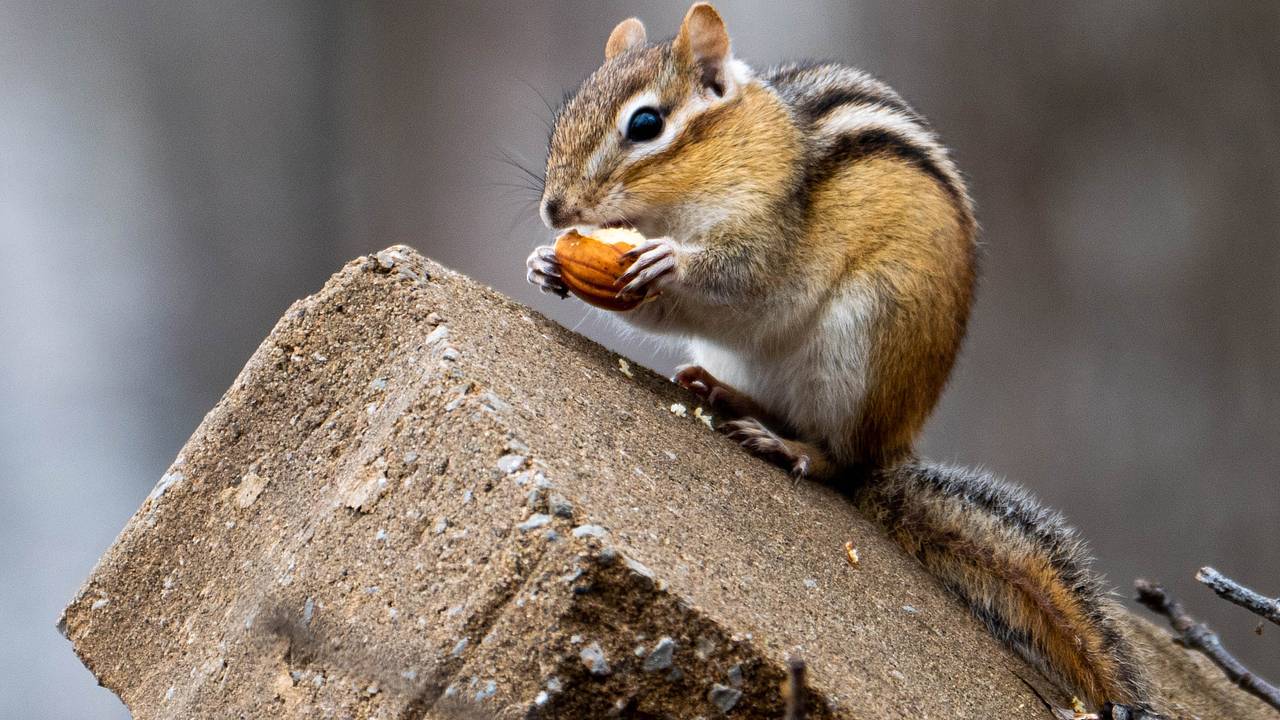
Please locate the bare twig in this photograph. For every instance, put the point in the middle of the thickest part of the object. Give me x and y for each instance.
(1233, 591)
(1197, 636)
(795, 689)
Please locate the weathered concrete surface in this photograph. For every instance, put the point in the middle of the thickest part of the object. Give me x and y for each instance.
(421, 500)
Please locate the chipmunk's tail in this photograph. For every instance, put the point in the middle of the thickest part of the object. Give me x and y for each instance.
(1020, 569)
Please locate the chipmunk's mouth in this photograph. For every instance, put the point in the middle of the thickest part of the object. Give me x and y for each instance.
(611, 219)
(599, 224)
(645, 224)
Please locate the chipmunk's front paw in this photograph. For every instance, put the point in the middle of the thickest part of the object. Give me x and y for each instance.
(655, 263)
(544, 271)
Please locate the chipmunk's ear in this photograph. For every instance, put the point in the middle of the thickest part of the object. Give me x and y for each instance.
(703, 42)
(628, 34)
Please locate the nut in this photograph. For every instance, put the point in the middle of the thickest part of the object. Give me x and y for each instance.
(590, 266)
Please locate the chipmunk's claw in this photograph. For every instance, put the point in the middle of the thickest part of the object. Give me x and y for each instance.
(752, 434)
(698, 381)
(654, 260)
(800, 468)
(694, 379)
(544, 271)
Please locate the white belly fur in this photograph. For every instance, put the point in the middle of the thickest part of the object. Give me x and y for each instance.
(817, 380)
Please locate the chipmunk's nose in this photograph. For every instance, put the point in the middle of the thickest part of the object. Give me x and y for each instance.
(557, 214)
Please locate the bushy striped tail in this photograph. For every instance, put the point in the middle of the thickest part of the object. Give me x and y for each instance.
(1020, 569)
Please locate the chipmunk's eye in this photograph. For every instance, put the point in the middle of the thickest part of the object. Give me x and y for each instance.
(645, 124)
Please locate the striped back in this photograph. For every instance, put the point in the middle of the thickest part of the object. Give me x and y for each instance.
(850, 114)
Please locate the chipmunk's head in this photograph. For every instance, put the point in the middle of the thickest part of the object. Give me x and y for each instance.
(658, 133)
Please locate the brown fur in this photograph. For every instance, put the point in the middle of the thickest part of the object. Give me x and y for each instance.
(782, 228)
(879, 221)
(1019, 566)
(896, 230)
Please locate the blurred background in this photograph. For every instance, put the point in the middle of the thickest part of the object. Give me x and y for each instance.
(174, 173)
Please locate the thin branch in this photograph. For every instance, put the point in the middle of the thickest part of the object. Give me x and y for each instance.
(1233, 591)
(795, 689)
(1197, 636)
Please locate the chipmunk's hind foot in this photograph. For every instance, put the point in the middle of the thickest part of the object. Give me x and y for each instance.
(801, 459)
(726, 401)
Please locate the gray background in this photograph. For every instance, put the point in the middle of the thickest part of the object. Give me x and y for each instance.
(173, 174)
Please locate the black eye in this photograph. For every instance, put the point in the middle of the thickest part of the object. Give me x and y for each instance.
(645, 124)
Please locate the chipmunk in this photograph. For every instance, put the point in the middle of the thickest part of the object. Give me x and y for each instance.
(813, 244)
